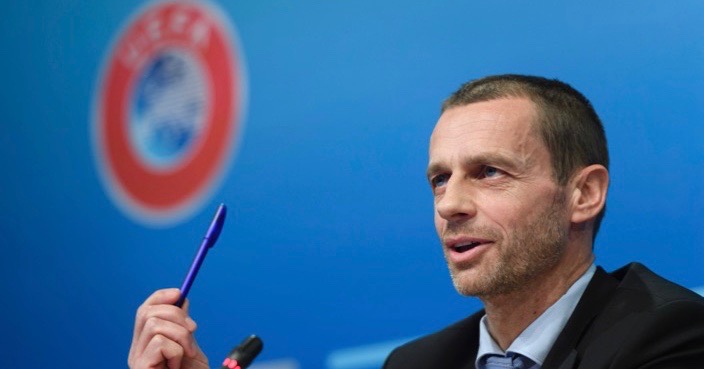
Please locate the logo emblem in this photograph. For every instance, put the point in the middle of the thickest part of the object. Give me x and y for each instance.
(168, 110)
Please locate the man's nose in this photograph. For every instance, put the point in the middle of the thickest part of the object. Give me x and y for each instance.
(457, 202)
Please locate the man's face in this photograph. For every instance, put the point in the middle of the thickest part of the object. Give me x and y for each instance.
(500, 215)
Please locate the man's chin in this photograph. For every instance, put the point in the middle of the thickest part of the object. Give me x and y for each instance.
(482, 283)
(467, 283)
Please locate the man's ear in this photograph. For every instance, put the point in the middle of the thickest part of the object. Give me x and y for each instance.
(590, 186)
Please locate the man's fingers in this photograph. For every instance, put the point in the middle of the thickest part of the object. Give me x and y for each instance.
(156, 327)
(157, 318)
(190, 323)
(167, 296)
(159, 350)
(160, 304)
(165, 312)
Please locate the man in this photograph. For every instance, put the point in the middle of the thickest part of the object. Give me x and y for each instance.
(519, 173)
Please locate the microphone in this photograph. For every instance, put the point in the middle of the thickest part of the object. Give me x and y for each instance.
(241, 356)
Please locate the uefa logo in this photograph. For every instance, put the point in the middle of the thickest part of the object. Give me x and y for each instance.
(168, 110)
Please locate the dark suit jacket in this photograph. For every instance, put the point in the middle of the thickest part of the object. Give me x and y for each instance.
(631, 318)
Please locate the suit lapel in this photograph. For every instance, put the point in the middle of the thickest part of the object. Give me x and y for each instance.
(564, 354)
(469, 343)
(570, 360)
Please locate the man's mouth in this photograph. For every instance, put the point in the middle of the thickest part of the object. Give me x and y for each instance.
(466, 246)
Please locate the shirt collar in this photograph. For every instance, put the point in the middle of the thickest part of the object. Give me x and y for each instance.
(537, 339)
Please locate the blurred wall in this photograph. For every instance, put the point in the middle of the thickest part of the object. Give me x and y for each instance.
(329, 252)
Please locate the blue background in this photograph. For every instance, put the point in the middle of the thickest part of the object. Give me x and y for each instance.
(329, 244)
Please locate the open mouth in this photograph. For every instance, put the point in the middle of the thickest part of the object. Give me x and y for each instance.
(466, 247)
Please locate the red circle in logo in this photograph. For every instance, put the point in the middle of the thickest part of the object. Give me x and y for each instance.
(170, 93)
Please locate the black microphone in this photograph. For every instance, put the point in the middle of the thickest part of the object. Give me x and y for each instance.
(241, 356)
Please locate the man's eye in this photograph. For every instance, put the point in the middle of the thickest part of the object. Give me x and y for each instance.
(439, 180)
(489, 172)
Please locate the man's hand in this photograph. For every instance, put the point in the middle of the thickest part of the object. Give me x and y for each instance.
(163, 335)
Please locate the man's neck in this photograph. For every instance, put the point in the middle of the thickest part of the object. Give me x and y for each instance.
(509, 314)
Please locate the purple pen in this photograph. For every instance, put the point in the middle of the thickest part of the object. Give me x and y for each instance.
(208, 241)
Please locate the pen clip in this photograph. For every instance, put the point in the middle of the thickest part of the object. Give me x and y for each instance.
(216, 225)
